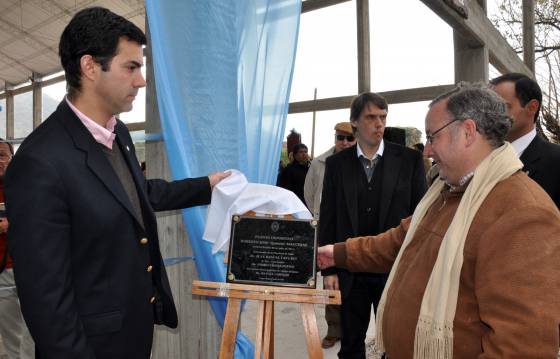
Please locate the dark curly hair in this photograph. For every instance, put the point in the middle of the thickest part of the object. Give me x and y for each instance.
(94, 31)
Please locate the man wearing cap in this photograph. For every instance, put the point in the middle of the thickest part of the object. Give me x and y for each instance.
(367, 189)
(343, 138)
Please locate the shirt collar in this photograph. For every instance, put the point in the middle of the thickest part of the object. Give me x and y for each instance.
(103, 135)
(521, 144)
(462, 183)
(379, 152)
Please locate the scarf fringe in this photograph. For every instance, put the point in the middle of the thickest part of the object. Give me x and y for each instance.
(433, 340)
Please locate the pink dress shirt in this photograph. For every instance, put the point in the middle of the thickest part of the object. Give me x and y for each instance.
(103, 135)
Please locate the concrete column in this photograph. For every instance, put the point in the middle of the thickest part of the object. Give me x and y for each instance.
(471, 63)
(37, 100)
(9, 113)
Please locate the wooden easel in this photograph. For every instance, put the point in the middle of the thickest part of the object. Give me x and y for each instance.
(267, 295)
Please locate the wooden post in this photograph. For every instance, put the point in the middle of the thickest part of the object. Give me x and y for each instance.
(364, 64)
(198, 334)
(529, 34)
(313, 126)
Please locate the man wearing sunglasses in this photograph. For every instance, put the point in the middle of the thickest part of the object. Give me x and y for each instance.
(367, 189)
(343, 138)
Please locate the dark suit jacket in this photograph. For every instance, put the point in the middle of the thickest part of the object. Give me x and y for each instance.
(80, 260)
(403, 185)
(541, 161)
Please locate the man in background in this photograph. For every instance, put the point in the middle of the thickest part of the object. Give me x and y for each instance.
(295, 172)
(15, 336)
(343, 139)
(367, 189)
(540, 158)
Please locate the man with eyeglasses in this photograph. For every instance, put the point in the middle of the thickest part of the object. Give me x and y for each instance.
(367, 189)
(343, 138)
(475, 270)
(540, 158)
(13, 331)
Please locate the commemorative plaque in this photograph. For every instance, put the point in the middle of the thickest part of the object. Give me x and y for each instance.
(272, 251)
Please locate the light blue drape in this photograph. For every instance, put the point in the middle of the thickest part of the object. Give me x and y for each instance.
(223, 72)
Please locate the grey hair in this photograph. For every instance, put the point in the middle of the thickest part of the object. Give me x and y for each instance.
(481, 104)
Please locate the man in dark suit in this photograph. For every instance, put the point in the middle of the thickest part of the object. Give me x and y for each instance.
(540, 158)
(368, 188)
(83, 233)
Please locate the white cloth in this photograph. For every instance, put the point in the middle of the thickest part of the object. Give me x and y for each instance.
(524, 141)
(235, 195)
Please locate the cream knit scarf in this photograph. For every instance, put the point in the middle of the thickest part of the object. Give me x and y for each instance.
(434, 330)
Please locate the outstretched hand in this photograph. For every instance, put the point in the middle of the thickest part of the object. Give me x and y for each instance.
(325, 256)
(216, 177)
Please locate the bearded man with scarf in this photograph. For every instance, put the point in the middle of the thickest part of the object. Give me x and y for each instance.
(475, 270)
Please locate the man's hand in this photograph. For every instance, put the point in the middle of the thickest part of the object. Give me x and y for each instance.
(331, 282)
(216, 177)
(3, 225)
(325, 256)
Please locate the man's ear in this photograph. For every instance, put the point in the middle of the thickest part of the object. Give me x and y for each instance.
(532, 107)
(470, 130)
(88, 66)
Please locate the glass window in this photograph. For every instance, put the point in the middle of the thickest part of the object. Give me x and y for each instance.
(410, 114)
(3, 118)
(326, 56)
(493, 72)
(23, 114)
(410, 46)
(51, 97)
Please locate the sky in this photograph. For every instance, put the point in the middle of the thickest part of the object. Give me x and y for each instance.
(410, 47)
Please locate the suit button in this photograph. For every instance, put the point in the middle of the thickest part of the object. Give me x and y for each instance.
(149, 269)
(368, 209)
(152, 300)
(144, 240)
(369, 188)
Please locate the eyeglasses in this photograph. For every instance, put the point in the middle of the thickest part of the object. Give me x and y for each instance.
(4, 157)
(349, 138)
(430, 137)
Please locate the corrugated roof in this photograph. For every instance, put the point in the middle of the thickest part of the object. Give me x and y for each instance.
(30, 30)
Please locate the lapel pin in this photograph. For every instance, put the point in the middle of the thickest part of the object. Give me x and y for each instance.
(128, 149)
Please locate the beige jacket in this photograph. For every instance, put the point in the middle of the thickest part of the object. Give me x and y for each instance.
(509, 290)
(313, 186)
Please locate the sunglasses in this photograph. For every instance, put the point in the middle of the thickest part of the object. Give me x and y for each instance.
(349, 138)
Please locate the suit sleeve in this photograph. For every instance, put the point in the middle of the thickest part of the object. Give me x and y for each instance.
(419, 185)
(40, 244)
(517, 284)
(327, 219)
(189, 192)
